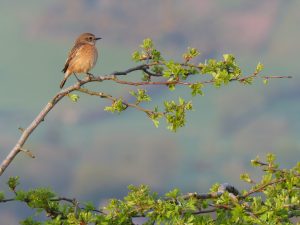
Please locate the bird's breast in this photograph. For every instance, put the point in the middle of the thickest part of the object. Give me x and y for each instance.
(85, 59)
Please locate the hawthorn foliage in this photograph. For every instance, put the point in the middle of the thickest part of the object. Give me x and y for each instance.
(275, 199)
(157, 70)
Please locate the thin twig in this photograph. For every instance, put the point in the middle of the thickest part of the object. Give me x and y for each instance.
(103, 95)
(8, 200)
(204, 211)
(27, 152)
(75, 203)
(262, 187)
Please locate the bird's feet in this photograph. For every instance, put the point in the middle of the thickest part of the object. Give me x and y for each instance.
(77, 78)
(91, 76)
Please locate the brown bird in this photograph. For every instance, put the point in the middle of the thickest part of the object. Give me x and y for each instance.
(82, 57)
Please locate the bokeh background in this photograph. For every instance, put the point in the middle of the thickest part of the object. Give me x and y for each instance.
(89, 154)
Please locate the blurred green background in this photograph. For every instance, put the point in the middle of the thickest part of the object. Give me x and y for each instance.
(90, 154)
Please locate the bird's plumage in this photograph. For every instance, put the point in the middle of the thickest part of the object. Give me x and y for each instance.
(82, 57)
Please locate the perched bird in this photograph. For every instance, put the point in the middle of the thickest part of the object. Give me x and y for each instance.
(82, 57)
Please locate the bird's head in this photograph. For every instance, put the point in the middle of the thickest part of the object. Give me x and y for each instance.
(87, 38)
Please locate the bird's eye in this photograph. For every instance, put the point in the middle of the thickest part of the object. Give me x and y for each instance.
(90, 38)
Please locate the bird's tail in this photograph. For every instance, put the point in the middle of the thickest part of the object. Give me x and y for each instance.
(62, 83)
(66, 76)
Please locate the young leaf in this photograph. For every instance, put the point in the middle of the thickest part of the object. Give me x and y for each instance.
(73, 97)
(259, 67)
(265, 81)
(13, 182)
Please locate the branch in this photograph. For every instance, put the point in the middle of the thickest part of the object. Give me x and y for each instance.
(262, 187)
(137, 68)
(144, 204)
(103, 95)
(222, 188)
(26, 133)
(75, 203)
(8, 200)
(48, 107)
(111, 77)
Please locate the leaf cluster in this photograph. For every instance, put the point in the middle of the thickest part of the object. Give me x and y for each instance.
(157, 70)
(275, 199)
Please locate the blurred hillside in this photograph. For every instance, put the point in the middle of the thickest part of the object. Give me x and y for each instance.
(85, 152)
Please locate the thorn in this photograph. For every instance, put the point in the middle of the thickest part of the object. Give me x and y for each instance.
(27, 152)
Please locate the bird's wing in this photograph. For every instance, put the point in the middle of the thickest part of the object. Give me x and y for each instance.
(72, 54)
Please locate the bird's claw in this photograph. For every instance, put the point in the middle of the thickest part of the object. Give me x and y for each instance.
(91, 76)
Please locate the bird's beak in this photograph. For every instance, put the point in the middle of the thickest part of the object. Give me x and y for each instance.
(98, 38)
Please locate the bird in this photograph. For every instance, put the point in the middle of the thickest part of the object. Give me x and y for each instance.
(82, 57)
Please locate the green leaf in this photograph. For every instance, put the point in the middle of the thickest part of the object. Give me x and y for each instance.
(175, 113)
(173, 194)
(89, 206)
(73, 97)
(271, 158)
(188, 106)
(117, 106)
(245, 177)
(171, 87)
(146, 77)
(21, 195)
(156, 55)
(259, 67)
(265, 81)
(191, 53)
(255, 162)
(148, 52)
(1, 196)
(174, 70)
(136, 56)
(30, 221)
(155, 122)
(221, 71)
(85, 217)
(141, 95)
(155, 116)
(147, 44)
(196, 88)
(181, 101)
(228, 58)
(157, 69)
(13, 182)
